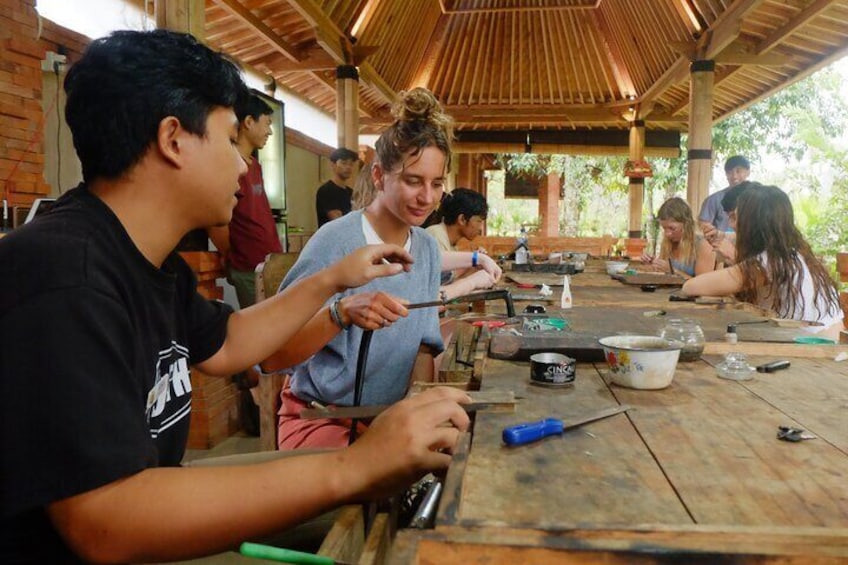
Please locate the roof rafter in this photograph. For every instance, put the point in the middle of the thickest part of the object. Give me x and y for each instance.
(720, 35)
(337, 44)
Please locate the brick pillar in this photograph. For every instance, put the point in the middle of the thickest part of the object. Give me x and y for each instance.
(21, 115)
(549, 205)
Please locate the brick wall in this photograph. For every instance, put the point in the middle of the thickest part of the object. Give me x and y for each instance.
(21, 105)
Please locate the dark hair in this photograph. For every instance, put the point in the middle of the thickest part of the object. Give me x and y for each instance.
(462, 201)
(127, 83)
(730, 198)
(343, 154)
(419, 123)
(251, 105)
(736, 161)
(766, 224)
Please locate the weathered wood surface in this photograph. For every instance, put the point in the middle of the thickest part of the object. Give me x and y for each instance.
(588, 324)
(702, 545)
(694, 473)
(607, 477)
(663, 279)
(716, 443)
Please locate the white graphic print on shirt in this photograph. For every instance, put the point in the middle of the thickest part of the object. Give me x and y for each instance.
(173, 382)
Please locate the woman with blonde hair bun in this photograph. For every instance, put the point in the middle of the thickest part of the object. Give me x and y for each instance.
(683, 250)
(410, 167)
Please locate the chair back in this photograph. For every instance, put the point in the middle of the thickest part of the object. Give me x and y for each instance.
(269, 275)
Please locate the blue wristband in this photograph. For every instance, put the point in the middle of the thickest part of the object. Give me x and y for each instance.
(474, 258)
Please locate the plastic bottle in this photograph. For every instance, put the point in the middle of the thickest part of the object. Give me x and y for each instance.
(565, 301)
(522, 252)
(731, 336)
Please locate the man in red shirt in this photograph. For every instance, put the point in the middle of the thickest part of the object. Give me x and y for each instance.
(252, 233)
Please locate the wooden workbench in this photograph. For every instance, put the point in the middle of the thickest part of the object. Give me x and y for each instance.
(693, 474)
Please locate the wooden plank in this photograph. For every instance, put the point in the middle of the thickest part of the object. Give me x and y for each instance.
(810, 391)
(346, 538)
(660, 279)
(600, 474)
(780, 349)
(587, 324)
(452, 491)
(666, 545)
(378, 542)
(716, 442)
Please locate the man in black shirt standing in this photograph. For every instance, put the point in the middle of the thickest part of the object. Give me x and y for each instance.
(333, 199)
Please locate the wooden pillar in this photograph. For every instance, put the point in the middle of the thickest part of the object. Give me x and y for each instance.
(466, 174)
(700, 152)
(549, 205)
(347, 106)
(637, 184)
(188, 16)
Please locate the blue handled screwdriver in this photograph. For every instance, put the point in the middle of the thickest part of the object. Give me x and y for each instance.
(521, 434)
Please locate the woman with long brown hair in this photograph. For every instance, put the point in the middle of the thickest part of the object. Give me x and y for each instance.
(775, 268)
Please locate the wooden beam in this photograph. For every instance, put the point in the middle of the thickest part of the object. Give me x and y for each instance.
(723, 32)
(238, 11)
(792, 25)
(807, 71)
(187, 16)
(585, 5)
(338, 45)
(313, 59)
(619, 68)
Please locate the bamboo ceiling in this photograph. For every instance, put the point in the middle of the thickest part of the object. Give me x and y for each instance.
(534, 64)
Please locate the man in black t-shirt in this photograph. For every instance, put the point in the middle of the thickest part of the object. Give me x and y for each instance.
(100, 323)
(333, 199)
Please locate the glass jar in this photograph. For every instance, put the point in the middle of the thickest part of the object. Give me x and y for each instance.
(735, 367)
(687, 332)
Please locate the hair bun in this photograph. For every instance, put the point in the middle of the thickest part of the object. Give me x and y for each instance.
(419, 105)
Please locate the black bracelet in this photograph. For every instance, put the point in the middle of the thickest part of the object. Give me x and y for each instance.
(336, 315)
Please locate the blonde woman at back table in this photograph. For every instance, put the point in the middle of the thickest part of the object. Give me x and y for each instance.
(682, 248)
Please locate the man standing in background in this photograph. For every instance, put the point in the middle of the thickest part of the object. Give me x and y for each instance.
(713, 219)
(333, 199)
(252, 233)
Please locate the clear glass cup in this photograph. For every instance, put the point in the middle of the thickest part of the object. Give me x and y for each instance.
(689, 333)
(735, 367)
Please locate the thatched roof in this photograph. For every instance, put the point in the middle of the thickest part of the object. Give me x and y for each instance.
(534, 64)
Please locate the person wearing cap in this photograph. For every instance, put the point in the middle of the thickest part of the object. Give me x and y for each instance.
(333, 199)
(713, 219)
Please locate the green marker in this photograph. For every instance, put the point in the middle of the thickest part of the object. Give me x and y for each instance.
(285, 555)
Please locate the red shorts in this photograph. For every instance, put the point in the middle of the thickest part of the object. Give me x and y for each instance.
(296, 433)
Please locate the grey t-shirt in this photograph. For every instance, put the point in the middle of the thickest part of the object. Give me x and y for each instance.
(329, 375)
(713, 212)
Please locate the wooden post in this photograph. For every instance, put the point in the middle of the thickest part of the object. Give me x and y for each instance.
(549, 205)
(466, 175)
(347, 106)
(637, 185)
(700, 153)
(188, 16)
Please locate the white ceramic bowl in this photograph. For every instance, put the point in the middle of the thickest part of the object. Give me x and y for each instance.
(616, 267)
(641, 361)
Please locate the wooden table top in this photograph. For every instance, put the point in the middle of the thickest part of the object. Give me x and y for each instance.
(695, 468)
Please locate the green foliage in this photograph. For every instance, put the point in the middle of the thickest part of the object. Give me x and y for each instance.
(803, 126)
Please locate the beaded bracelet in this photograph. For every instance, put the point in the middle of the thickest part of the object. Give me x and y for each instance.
(336, 315)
